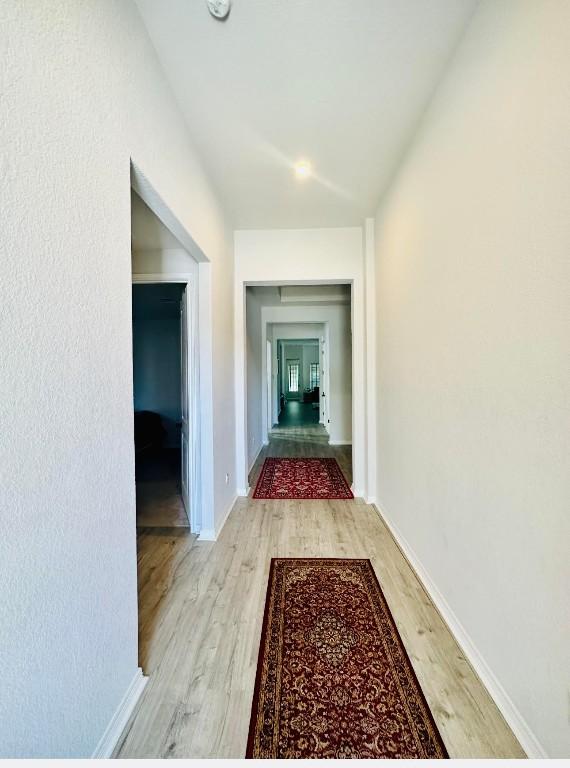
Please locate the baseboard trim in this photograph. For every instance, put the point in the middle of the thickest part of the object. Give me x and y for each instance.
(114, 730)
(255, 458)
(243, 491)
(340, 442)
(209, 534)
(226, 515)
(356, 493)
(515, 720)
(371, 500)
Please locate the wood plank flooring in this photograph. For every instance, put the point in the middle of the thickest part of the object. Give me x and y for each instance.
(159, 495)
(201, 607)
(295, 413)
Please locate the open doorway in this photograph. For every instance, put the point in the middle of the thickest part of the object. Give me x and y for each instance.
(298, 373)
(160, 389)
(172, 379)
(299, 381)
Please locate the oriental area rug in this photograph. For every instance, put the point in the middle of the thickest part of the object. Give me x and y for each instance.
(301, 479)
(333, 678)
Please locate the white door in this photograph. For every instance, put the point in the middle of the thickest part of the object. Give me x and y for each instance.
(185, 429)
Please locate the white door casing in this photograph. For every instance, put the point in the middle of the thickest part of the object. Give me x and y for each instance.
(185, 436)
(191, 469)
(197, 274)
(269, 372)
(323, 387)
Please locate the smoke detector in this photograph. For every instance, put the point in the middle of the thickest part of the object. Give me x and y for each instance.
(219, 8)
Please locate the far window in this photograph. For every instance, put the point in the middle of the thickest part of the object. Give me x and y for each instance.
(314, 375)
(293, 377)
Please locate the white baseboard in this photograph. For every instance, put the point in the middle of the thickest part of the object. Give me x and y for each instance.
(255, 458)
(340, 442)
(209, 534)
(226, 515)
(356, 493)
(243, 491)
(371, 500)
(114, 730)
(515, 720)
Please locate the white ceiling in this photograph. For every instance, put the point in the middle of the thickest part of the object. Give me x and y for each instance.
(342, 83)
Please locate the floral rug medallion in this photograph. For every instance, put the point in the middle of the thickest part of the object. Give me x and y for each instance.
(333, 678)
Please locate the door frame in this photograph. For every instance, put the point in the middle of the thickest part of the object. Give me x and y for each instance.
(360, 434)
(269, 382)
(191, 383)
(324, 382)
(149, 194)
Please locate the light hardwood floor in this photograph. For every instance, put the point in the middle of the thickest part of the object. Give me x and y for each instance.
(201, 607)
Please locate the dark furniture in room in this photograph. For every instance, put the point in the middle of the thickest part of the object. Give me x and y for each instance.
(149, 431)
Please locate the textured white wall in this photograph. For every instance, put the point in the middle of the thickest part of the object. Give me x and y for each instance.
(473, 297)
(82, 93)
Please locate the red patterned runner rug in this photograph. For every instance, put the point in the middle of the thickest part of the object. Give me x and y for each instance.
(301, 479)
(333, 678)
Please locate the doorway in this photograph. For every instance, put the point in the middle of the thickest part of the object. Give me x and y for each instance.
(299, 398)
(299, 387)
(161, 414)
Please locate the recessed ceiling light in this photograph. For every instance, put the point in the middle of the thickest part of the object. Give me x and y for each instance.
(302, 169)
(220, 9)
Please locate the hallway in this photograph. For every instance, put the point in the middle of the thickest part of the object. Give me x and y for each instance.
(201, 607)
(232, 203)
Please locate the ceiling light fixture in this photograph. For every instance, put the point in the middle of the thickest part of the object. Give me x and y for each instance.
(219, 8)
(303, 169)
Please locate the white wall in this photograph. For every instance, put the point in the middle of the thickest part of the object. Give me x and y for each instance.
(82, 94)
(473, 296)
(293, 257)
